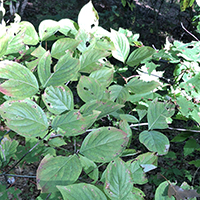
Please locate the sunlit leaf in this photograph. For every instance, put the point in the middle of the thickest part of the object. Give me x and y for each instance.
(58, 99)
(19, 81)
(88, 17)
(25, 118)
(121, 44)
(48, 28)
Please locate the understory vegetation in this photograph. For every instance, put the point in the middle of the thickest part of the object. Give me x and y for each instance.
(94, 113)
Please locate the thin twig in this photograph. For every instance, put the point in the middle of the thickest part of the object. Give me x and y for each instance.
(16, 175)
(195, 173)
(189, 32)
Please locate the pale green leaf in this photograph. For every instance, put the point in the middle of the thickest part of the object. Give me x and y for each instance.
(67, 27)
(88, 17)
(89, 89)
(60, 170)
(48, 28)
(25, 117)
(104, 144)
(122, 47)
(105, 106)
(89, 168)
(19, 81)
(73, 123)
(58, 99)
(158, 112)
(138, 86)
(81, 191)
(118, 182)
(60, 47)
(155, 141)
(30, 35)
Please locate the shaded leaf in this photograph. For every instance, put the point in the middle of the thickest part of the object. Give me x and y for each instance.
(58, 99)
(139, 55)
(138, 86)
(74, 123)
(60, 170)
(89, 168)
(118, 182)
(105, 106)
(128, 118)
(136, 168)
(104, 144)
(155, 141)
(24, 117)
(118, 93)
(19, 81)
(158, 112)
(81, 191)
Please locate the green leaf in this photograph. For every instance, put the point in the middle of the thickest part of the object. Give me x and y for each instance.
(104, 144)
(118, 93)
(181, 137)
(60, 170)
(30, 35)
(48, 28)
(89, 89)
(16, 42)
(81, 191)
(162, 192)
(60, 47)
(67, 27)
(73, 123)
(25, 117)
(105, 106)
(58, 99)
(136, 168)
(118, 182)
(88, 17)
(89, 168)
(19, 81)
(8, 148)
(139, 55)
(190, 146)
(104, 76)
(155, 141)
(195, 162)
(128, 118)
(122, 47)
(57, 142)
(136, 194)
(158, 112)
(90, 58)
(66, 69)
(4, 39)
(138, 86)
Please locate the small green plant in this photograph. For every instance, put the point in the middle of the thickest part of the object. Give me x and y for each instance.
(58, 86)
